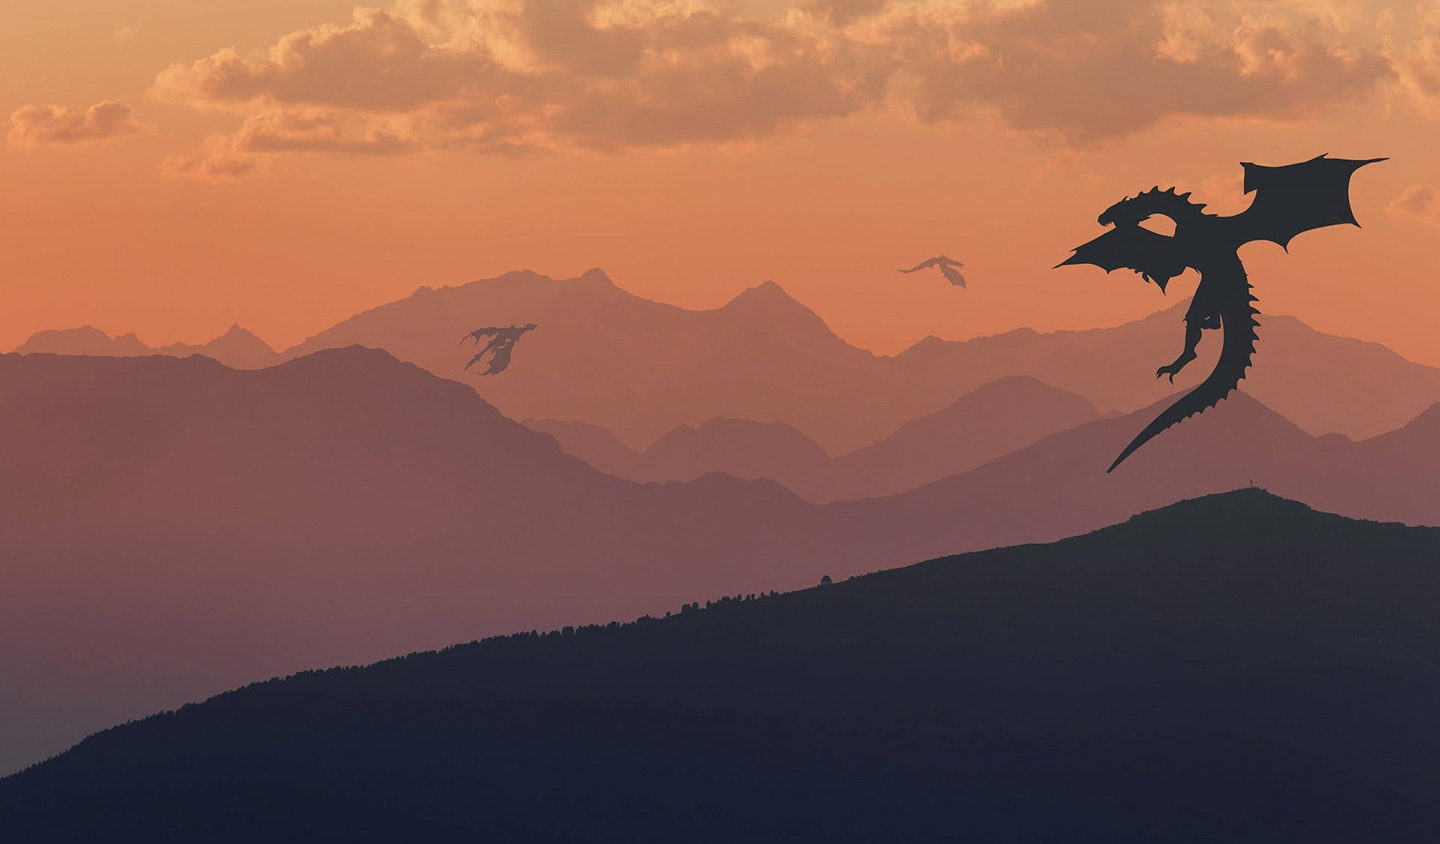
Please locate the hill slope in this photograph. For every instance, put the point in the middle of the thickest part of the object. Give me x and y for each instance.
(1235, 668)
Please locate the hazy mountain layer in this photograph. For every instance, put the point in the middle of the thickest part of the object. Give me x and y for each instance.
(996, 419)
(640, 369)
(174, 527)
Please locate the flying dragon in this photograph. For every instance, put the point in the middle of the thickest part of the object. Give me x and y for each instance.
(500, 348)
(1288, 200)
(949, 267)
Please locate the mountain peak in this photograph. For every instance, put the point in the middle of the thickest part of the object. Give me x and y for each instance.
(238, 333)
(768, 297)
(595, 275)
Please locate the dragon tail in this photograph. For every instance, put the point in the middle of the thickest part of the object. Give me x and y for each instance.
(1235, 354)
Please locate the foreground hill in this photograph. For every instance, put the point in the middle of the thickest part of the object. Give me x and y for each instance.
(1234, 668)
(639, 368)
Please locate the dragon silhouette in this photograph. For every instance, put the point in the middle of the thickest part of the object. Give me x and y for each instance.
(949, 267)
(1288, 200)
(500, 346)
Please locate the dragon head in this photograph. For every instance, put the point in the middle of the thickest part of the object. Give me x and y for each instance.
(1129, 245)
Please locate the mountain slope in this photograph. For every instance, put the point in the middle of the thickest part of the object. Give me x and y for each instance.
(591, 443)
(1235, 668)
(996, 419)
(173, 527)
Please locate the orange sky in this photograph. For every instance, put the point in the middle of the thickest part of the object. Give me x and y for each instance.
(335, 160)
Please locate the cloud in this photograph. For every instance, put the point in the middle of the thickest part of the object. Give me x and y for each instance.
(1420, 203)
(125, 34)
(34, 127)
(512, 75)
(211, 163)
(227, 157)
(1089, 72)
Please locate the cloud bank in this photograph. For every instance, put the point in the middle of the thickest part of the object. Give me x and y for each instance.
(36, 127)
(521, 75)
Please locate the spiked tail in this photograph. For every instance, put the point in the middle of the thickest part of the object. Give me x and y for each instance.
(1235, 355)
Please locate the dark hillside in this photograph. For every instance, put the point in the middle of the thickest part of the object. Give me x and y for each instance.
(1234, 668)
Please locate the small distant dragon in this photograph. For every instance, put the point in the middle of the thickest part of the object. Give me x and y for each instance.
(949, 267)
(1288, 200)
(500, 347)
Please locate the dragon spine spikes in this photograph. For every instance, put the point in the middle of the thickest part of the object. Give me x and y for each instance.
(1167, 202)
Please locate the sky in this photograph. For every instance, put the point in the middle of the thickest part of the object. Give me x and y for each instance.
(170, 168)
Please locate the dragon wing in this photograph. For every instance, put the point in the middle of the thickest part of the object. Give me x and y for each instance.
(1296, 198)
(952, 274)
(1117, 248)
(481, 333)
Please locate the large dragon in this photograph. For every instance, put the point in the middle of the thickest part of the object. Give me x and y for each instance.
(1288, 200)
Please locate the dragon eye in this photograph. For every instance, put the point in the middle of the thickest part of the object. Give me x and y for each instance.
(1159, 224)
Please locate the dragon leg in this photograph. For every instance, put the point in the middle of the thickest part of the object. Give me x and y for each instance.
(1192, 339)
(1238, 324)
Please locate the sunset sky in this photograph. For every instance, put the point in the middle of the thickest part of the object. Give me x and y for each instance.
(173, 167)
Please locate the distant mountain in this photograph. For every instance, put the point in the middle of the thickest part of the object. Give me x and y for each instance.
(1234, 668)
(86, 340)
(1324, 384)
(996, 419)
(236, 348)
(737, 447)
(640, 369)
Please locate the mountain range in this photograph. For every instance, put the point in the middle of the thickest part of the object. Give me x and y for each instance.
(175, 527)
(1234, 668)
(640, 369)
(236, 348)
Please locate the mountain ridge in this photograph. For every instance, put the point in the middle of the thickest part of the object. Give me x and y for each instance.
(640, 368)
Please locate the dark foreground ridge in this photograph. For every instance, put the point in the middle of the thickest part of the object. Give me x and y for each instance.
(1233, 668)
